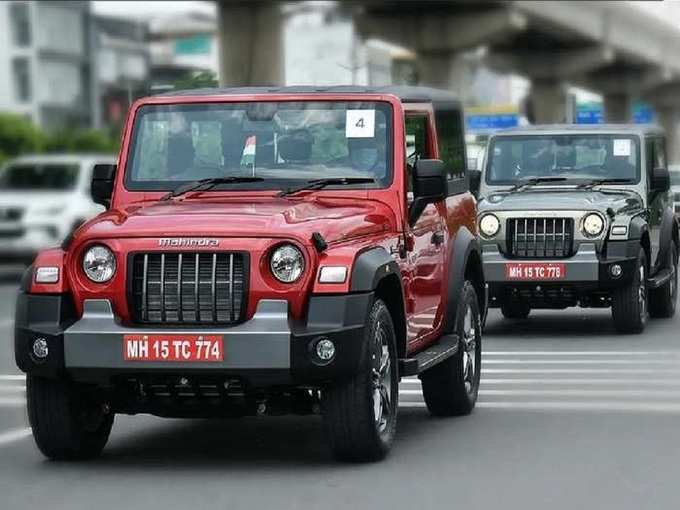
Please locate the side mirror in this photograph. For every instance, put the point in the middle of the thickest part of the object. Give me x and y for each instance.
(101, 188)
(429, 186)
(474, 180)
(661, 180)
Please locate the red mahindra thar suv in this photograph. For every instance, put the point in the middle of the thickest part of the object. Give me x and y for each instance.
(264, 251)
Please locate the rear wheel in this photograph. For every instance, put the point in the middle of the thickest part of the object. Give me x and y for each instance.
(360, 414)
(451, 387)
(629, 303)
(662, 301)
(515, 309)
(67, 423)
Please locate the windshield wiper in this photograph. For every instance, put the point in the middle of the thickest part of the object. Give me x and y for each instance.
(322, 183)
(600, 182)
(535, 180)
(206, 184)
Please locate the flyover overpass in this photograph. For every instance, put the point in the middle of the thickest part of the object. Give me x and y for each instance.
(609, 47)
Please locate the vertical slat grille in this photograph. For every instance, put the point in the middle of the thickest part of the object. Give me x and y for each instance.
(540, 237)
(188, 288)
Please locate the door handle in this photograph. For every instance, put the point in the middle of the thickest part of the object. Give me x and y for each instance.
(437, 238)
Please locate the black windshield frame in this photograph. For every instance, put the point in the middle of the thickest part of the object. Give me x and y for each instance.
(130, 184)
(635, 139)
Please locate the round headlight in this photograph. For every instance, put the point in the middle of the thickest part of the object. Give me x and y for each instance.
(99, 264)
(593, 225)
(287, 263)
(489, 225)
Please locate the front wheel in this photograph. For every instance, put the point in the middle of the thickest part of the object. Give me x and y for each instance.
(451, 387)
(662, 301)
(360, 414)
(629, 303)
(67, 423)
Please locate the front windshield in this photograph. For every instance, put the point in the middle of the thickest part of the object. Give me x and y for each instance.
(45, 177)
(284, 143)
(514, 159)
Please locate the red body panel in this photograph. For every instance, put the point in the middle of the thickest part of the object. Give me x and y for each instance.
(350, 221)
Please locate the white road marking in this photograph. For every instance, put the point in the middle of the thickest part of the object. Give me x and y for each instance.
(17, 377)
(579, 361)
(568, 392)
(655, 371)
(14, 435)
(580, 353)
(12, 388)
(604, 381)
(12, 402)
(643, 407)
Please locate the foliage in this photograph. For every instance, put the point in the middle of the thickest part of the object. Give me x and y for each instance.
(18, 135)
(196, 80)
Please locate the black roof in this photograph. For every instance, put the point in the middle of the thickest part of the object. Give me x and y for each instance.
(553, 129)
(407, 94)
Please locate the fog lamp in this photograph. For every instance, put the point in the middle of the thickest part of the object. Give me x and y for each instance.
(615, 270)
(325, 349)
(40, 350)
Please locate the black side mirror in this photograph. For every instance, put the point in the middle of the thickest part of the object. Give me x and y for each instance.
(474, 180)
(661, 180)
(429, 186)
(101, 188)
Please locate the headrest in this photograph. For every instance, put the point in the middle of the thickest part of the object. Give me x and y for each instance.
(565, 158)
(180, 155)
(295, 146)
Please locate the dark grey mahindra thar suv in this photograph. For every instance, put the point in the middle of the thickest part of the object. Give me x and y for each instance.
(579, 216)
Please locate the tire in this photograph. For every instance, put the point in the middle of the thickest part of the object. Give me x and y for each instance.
(515, 309)
(67, 423)
(662, 301)
(360, 414)
(451, 387)
(630, 302)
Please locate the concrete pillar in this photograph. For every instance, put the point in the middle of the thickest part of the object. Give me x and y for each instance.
(668, 118)
(444, 71)
(251, 43)
(617, 108)
(547, 102)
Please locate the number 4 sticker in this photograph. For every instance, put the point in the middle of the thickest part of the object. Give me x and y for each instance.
(360, 124)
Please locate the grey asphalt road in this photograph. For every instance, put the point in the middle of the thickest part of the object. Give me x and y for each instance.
(570, 415)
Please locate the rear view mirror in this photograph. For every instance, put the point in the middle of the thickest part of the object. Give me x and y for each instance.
(661, 180)
(101, 188)
(474, 180)
(429, 186)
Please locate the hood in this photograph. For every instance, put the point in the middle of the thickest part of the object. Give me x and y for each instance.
(335, 219)
(620, 201)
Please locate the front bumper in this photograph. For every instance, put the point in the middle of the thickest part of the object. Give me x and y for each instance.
(585, 266)
(268, 350)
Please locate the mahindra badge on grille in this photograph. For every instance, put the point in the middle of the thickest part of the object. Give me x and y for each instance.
(183, 242)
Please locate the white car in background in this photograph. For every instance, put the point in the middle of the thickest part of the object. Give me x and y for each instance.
(675, 187)
(43, 198)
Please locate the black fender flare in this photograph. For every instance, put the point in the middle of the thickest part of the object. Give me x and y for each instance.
(460, 251)
(638, 227)
(669, 227)
(370, 267)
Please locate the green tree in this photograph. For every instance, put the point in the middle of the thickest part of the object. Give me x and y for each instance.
(19, 135)
(196, 80)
